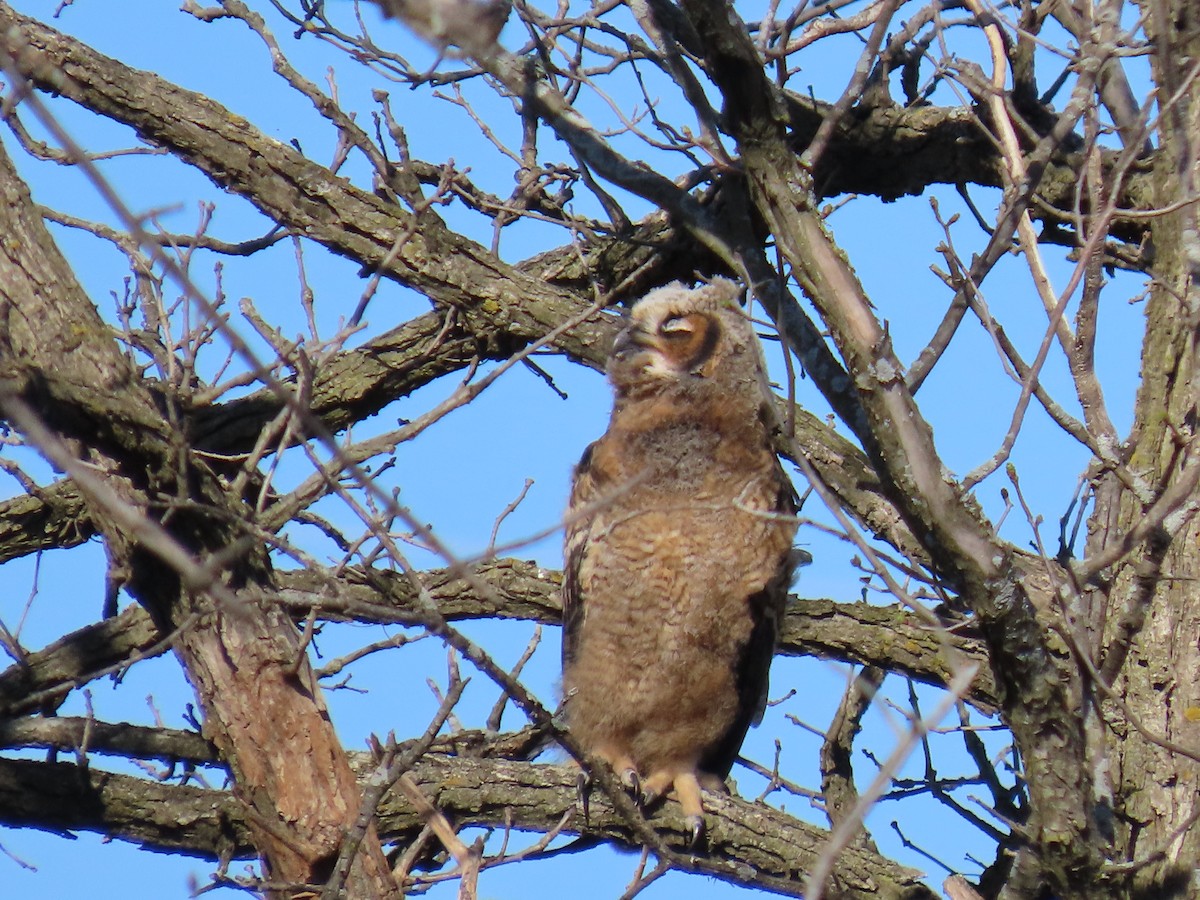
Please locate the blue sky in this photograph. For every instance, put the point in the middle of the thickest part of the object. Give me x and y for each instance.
(467, 468)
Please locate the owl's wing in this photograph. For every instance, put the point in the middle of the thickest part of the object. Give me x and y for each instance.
(754, 664)
(584, 490)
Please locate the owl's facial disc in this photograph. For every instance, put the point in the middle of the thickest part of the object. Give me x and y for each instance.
(674, 346)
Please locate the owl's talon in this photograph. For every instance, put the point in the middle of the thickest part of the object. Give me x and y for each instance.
(697, 830)
(656, 786)
(632, 782)
(583, 793)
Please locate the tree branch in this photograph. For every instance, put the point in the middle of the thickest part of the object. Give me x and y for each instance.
(754, 844)
(1040, 695)
(73, 392)
(886, 636)
(302, 195)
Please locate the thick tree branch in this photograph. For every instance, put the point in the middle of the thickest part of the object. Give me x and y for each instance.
(41, 680)
(755, 844)
(1089, 662)
(837, 752)
(1040, 697)
(119, 739)
(305, 197)
(885, 636)
(505, 307)
(64, 378)
(357, 383)
(55, 517)
(891, 151)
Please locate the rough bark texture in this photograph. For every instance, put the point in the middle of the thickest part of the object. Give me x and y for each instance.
(1158, 805)
(1093, 667)
(752, 844)
(843, 632)
(56, 355)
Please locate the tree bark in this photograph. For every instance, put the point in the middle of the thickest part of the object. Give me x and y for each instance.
(262, 706)
(1039, 691)
(1096, 677)
(1153, 609)
(858, 633)
(751, 844)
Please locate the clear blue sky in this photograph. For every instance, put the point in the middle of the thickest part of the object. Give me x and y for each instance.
(463, 472)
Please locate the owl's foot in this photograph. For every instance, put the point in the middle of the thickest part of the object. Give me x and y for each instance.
(629, 778)
(687, 791)
(626, 771)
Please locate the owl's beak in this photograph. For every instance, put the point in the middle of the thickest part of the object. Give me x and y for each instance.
(631, 340)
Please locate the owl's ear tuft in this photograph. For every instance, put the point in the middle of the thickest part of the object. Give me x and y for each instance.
(725, 290)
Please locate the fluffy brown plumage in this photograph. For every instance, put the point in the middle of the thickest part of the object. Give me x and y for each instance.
(473, 25)
(678, 551)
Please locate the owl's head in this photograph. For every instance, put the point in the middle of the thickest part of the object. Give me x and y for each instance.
(678, 334)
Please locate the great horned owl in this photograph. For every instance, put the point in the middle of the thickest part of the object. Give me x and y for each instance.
(678, 551)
